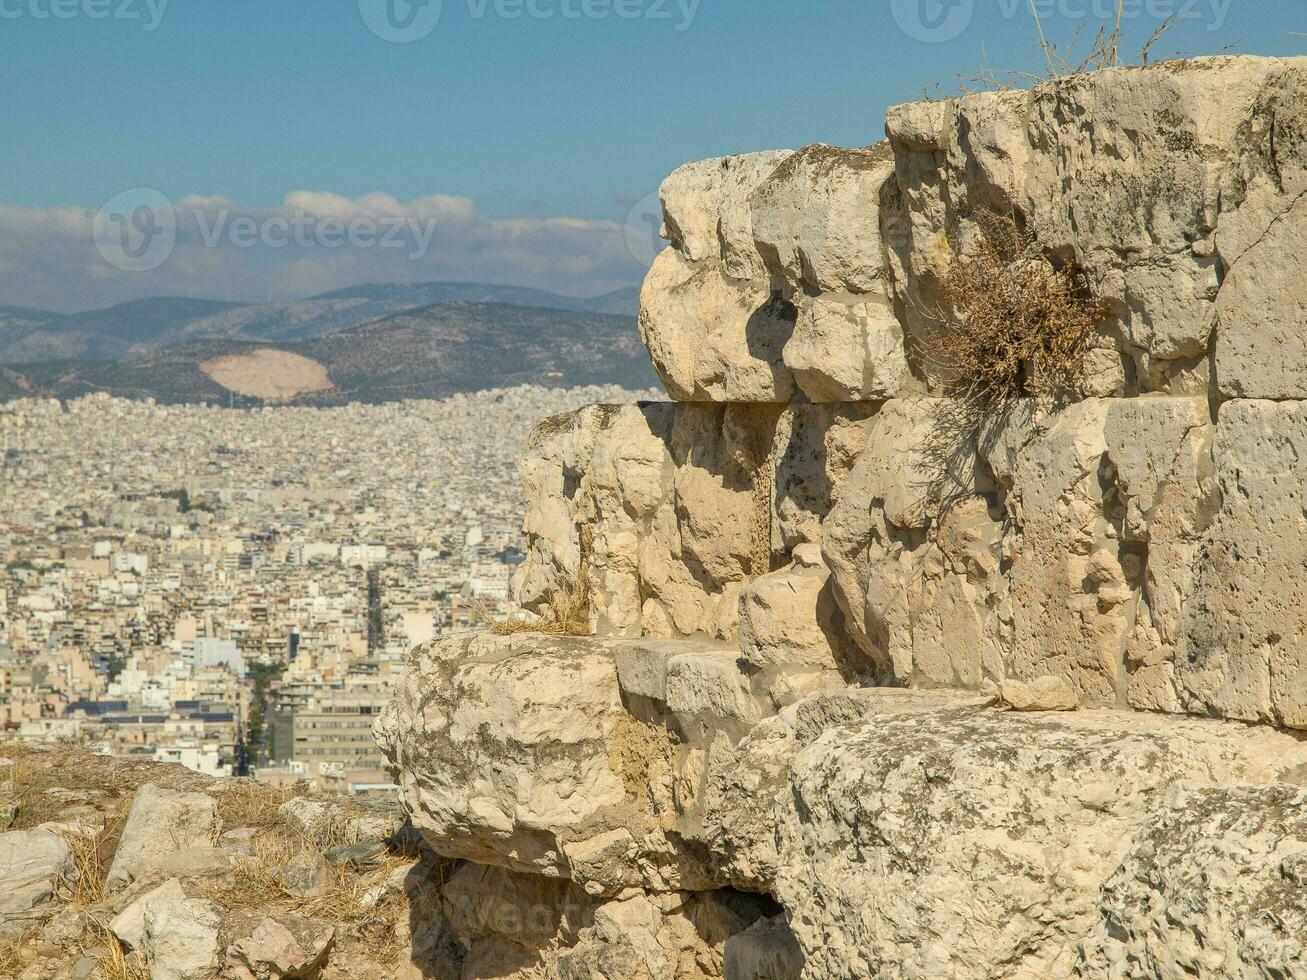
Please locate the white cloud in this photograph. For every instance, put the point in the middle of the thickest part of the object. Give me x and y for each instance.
(49, 259)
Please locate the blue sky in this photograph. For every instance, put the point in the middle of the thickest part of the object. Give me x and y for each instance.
(559, 109)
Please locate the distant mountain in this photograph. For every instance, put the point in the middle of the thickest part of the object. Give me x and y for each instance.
(427, 353)
(100, 335)
(132, 329)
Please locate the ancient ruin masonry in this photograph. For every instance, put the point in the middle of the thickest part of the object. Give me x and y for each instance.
(789, 747)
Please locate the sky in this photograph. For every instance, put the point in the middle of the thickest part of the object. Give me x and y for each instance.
(275, 149)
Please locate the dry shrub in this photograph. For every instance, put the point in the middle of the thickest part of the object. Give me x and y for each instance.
(1012, 325)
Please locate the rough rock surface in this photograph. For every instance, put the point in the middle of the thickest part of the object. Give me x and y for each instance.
(181, 939)
(1212, 887)
(1152, 181)
(927, 607)
(129, 924)
(1242, 652)
(33, 864)
(161, 823)
(517, 752)
(668, 510)
(286, 946)
(976, 843)
(776, 284)
(712, 784)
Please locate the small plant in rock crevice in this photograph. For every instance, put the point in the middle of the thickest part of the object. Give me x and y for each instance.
(568, 613)
(1011, 324)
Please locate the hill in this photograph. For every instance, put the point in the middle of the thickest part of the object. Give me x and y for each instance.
(101, 335)
(428, 353)
(132, 329)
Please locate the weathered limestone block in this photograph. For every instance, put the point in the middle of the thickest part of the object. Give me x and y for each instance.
(816, 219)
(613, 764)
(163, 823)
(776, 285)
(181, 939)
(1261, 342)
(780, 619)
(706, 212)
(33, 863)
(1043, 694)
(1243, 653)
(713, 338)
(913, 547)
(1260, 351)
(517, 752)
(736, 820)
(1106, 503)
(713, 321)
(975, 843)
(1211, 887)
(812, 458)
(1127, 174)
(129, 924)
(847, 348)
(668, 510)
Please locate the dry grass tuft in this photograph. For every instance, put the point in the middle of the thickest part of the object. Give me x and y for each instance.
(117, 963)
(16, 954)
(1104, 50)
(568, 613)
(1012, 325)
(93, 853)
(363, 905)
(245, 803)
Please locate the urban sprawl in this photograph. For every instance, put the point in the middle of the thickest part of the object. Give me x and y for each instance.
(236, 591)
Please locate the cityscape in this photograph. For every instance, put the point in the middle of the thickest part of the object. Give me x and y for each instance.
(237, 590)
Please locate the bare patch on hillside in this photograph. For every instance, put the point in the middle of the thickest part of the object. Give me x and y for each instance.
(273, 375)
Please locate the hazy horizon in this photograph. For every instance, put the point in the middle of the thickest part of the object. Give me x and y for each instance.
(161, 149)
